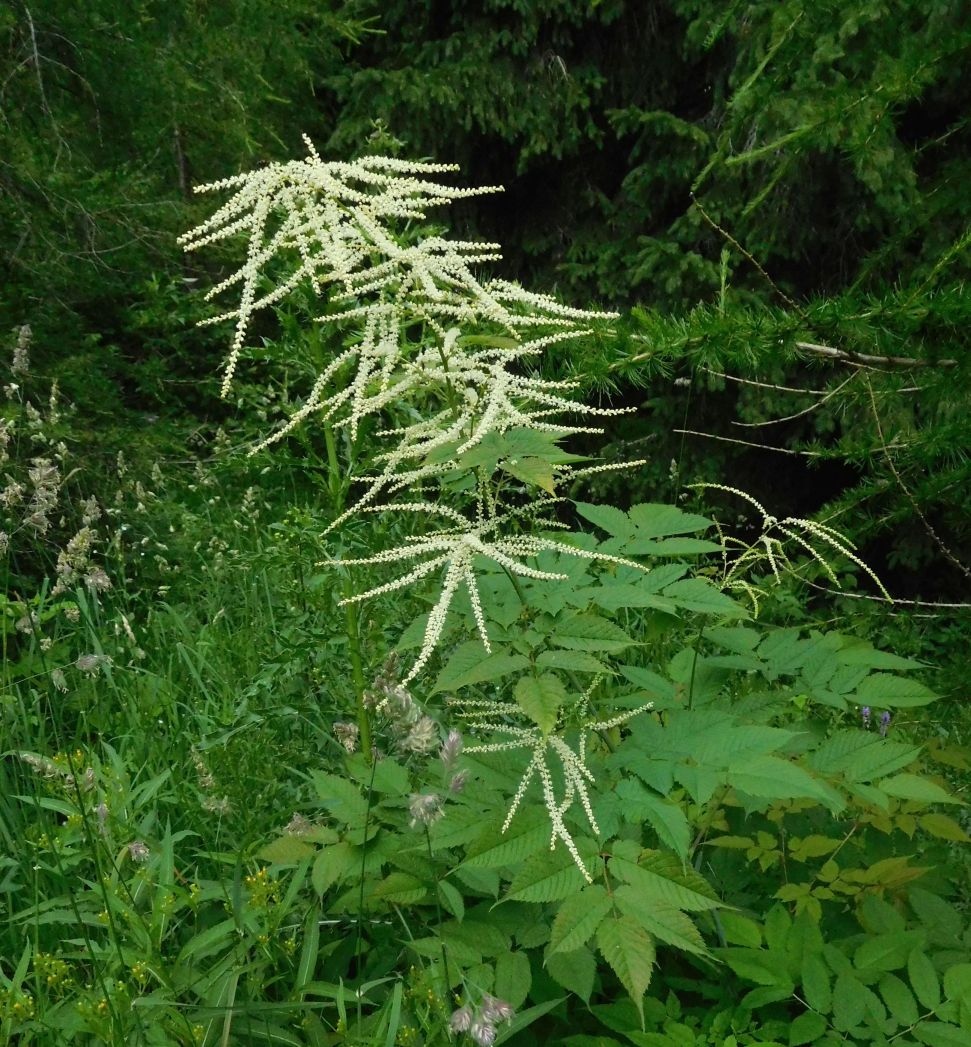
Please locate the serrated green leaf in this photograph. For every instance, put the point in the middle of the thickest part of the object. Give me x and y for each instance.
(701, 597)
(528, 835)
(899, 999)
(849, 1002)
(660, 878)
(286, 850)
(665, 923)
(913, 787)
(941, 1034)
(385, 776)
(531, 442)
(816, 983)
(859, 652)
(943, 827)
(657, 520)
(572, 662)
(665, 818)
(589, 632)
(546, 877)
(460, 825)
(537, 472)
(451, 899)
(672, 547)
(886, 952)
(341, 797)
(513, 977)
(807, 1027)
(578, 919)
(762, 966)
(861, 756)
(606, 517)
(470, 664)
(957, 983)
(923, 979)
(333, 864)
(771, 777)
(629, 950)
(574, 971)
(540, 698)
(896, 692)
(740, 930)
(479, 933)
(397, 888)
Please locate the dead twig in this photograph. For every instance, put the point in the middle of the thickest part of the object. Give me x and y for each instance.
(868, 360)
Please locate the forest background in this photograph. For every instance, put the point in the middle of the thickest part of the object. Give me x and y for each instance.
(772, 194)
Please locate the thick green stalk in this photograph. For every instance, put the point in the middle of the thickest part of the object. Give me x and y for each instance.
(352, 623)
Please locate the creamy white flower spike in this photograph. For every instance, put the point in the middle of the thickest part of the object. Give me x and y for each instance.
(498, 718)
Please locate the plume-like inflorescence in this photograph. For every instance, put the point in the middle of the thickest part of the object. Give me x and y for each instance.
(451, 359)
(501, 718)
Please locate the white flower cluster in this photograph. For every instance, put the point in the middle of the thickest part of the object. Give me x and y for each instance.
(495, 717)
(341, 227)
(453, 357)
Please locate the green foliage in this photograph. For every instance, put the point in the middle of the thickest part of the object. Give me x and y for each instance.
(769, 864)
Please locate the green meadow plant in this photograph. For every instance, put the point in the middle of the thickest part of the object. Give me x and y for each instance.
(398, 737)
(612, 722)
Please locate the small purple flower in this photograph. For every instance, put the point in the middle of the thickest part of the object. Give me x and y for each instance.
(865, 715)
(483, 1032)
(457, 784)
(884, 723)
(461, 1020)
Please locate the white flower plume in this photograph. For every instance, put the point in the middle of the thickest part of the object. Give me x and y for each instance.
(496, 717)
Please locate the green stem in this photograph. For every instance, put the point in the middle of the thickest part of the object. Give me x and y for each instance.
(352, 623)
(357, 671)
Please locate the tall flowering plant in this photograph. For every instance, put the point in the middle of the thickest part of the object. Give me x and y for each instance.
(477, 466)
